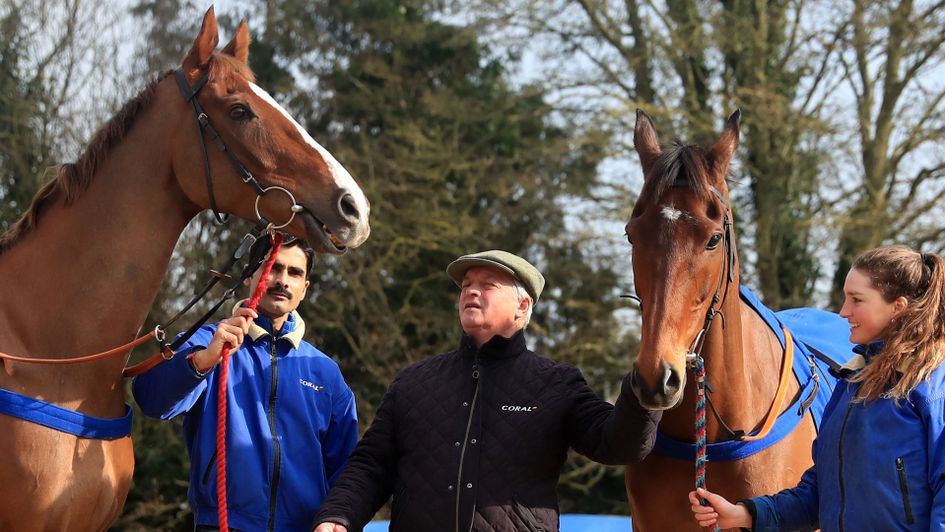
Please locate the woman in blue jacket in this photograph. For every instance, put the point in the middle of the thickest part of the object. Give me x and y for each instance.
(879, 459)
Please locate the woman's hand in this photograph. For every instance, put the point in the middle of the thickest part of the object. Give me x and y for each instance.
(719, 510)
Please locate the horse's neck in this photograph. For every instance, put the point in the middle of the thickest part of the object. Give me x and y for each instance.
(742, 360)
(83, 280)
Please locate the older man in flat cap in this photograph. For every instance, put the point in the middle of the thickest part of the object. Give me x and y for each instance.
(474, 439)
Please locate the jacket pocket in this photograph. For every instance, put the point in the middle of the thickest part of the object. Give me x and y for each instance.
(528, 517)
(904, 490)
(210, 468)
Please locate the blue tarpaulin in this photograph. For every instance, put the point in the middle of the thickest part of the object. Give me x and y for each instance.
(569, 523)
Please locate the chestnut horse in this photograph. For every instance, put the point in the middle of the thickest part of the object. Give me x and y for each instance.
(686, 274)
(82, 267)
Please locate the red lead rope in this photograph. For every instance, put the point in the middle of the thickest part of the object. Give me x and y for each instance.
(221, 391)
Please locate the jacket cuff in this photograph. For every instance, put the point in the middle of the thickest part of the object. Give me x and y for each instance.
(193, 368)
(752, 510)
(338, 520)
(628, 397)
(184, 356)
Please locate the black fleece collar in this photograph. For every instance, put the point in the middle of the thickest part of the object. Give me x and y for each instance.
(497, 347)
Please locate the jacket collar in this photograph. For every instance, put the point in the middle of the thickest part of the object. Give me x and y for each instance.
(864, 354)
(496, 348)
(293, 329)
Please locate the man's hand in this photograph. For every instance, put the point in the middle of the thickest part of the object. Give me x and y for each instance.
(331, 527)
(719, 510)
(229, 331)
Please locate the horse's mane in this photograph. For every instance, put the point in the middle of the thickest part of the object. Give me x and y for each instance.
(72, 179)
(677, 160)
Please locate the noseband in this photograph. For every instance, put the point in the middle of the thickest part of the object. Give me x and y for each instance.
(203, 123)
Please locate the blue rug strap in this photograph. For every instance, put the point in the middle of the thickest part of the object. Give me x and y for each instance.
(63, 419)
(734, 449)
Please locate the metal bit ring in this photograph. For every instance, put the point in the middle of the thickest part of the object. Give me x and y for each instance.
(295, 208)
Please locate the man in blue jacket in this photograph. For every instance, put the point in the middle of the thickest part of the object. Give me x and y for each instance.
(291, 420)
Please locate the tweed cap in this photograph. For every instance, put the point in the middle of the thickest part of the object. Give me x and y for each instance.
(518, 267)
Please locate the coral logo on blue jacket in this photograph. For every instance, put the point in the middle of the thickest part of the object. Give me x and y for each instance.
(311, 385)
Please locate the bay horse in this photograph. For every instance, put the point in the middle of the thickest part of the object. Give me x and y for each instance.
(686, 274)
(83, 265)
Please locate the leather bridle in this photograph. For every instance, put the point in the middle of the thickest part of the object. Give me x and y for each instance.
(263, 226)
(694, 357)
(203, 124)
(726, 278)
(726, 275)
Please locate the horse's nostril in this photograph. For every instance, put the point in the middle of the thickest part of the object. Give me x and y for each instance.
(348, 206)
(671, 381)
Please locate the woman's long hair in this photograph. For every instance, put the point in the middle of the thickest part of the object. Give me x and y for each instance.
(914, 340)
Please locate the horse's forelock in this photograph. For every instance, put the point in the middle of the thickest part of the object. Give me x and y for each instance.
(227, 68)
(677, 160)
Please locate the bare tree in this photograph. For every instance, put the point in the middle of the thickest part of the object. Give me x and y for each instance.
(893, 65)
(55, 57)
(690, 63)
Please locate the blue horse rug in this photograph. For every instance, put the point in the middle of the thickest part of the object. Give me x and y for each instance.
(820, 344)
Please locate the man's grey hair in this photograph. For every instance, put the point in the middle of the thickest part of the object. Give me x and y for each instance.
(522, 294)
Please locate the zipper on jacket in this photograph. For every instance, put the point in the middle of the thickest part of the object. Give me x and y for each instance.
(843, 427)
(904, 488)
(462, 453)
(276, 450)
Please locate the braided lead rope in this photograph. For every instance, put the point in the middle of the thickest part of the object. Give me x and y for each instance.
(698, 368)
(222, 386)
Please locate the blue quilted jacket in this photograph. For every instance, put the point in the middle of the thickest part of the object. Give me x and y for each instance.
(877, 465)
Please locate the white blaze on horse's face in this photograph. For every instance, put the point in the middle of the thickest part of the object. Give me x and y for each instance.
(342, 178)
(670, 213)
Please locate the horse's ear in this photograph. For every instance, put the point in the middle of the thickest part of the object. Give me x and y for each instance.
(646, 142)
(721, 153)
(239, 46)
(206, 42)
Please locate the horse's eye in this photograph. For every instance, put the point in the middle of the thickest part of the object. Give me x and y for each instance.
(714, 241)
(240, 113)
(629, 240)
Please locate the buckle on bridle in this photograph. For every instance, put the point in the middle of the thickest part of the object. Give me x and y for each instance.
(691, 359)
(695, 348)
(166, 352)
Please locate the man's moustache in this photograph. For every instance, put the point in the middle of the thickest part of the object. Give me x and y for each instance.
(279, 292)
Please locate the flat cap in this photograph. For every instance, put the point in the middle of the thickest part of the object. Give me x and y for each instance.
(518, 267)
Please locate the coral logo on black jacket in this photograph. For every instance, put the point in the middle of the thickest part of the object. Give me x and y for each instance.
(514, 408)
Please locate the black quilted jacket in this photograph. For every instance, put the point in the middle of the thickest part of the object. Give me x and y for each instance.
(474, 439)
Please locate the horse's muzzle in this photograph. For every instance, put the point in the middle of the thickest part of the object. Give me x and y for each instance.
(354, 228)
(668, 391)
